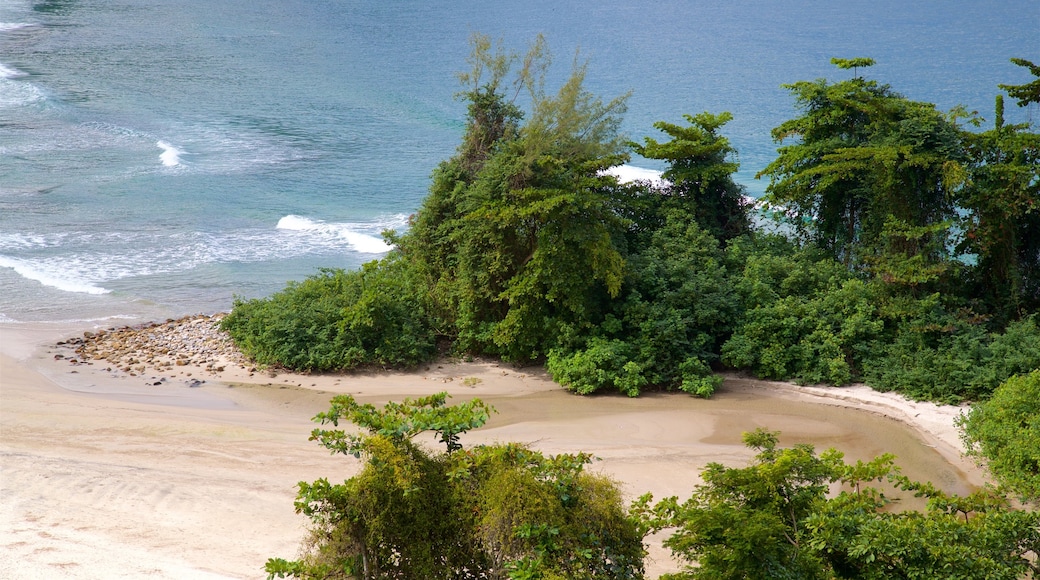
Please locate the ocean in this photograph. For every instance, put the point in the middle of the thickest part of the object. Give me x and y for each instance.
(161, 158)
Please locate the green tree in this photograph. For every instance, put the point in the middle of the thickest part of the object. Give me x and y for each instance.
(1002, 216)
(492, 512)
(1004, 432)
(749, 522)
(1029, 92)
(777, 518)
(859, 156)
(699, 175)
(517, 236)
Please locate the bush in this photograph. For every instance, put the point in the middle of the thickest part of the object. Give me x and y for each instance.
(664, 333)
(495, 512)
(1005, 432)
(339, 320)
(805, 318)
(942, 358)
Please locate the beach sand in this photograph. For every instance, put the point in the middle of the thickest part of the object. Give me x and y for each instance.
(108, 475)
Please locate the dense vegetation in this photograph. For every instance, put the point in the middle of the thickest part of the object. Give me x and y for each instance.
(908, 252)
(1005, 431)
(904, 250)
(777, 519)
(491, 512)
(506, 511)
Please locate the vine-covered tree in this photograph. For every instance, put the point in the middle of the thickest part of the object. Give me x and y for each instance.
(861, 157)
(516, 235)
(1002, 205)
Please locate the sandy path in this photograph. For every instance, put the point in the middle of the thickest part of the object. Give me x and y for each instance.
(109, 476)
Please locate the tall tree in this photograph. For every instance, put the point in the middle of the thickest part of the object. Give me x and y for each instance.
(700, 172)
(517, 235)
(862, 156)
(1002, 203)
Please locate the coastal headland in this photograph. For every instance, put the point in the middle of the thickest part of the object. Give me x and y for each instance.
(159, 451)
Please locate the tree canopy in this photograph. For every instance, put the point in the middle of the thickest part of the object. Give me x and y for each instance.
(490, 512)
(907, 254)
(777, 519)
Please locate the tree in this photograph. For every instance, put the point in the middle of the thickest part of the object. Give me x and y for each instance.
(517, 236)
(776, 519)
(1002, 207)
(863, 156)
(699, 175)
(492, 512)
(1004, 432)
(1027, 93)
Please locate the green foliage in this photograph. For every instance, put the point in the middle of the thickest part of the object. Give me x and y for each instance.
(493, 512)
(943, 358)
(1005, 432)
(745, 523)
(666, 329)
(860, 155)
(1027, 93)
(699, 174)
(913, 262)
(805, 318)
(516, 237)
(776, 519)
(339, 320)
(1001, 202)
(853, 63)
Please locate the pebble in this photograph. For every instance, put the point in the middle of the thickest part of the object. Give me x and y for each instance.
(192, 340)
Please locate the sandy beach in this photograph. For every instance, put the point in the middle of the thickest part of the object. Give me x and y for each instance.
(189, 469)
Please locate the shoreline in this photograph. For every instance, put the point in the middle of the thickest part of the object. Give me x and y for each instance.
(184, 470)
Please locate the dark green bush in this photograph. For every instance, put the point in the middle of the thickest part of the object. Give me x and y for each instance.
(943, 358)
(1005, 432)
(805, 317)
(665, 332)
(339, 320)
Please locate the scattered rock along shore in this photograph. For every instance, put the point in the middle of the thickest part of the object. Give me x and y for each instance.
(159, 348)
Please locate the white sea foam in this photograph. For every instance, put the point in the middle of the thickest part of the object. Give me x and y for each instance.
(350, 233)
(631, 173)
(171, 156)
(7, 72)
(50, 276)
(9, 26)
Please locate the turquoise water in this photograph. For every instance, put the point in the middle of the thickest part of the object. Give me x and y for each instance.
(159, 158)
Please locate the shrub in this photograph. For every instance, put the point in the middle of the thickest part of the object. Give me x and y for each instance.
(339, 320)
(1005, 432)
(494, 512)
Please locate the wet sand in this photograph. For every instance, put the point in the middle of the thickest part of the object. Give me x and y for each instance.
(106, 475)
